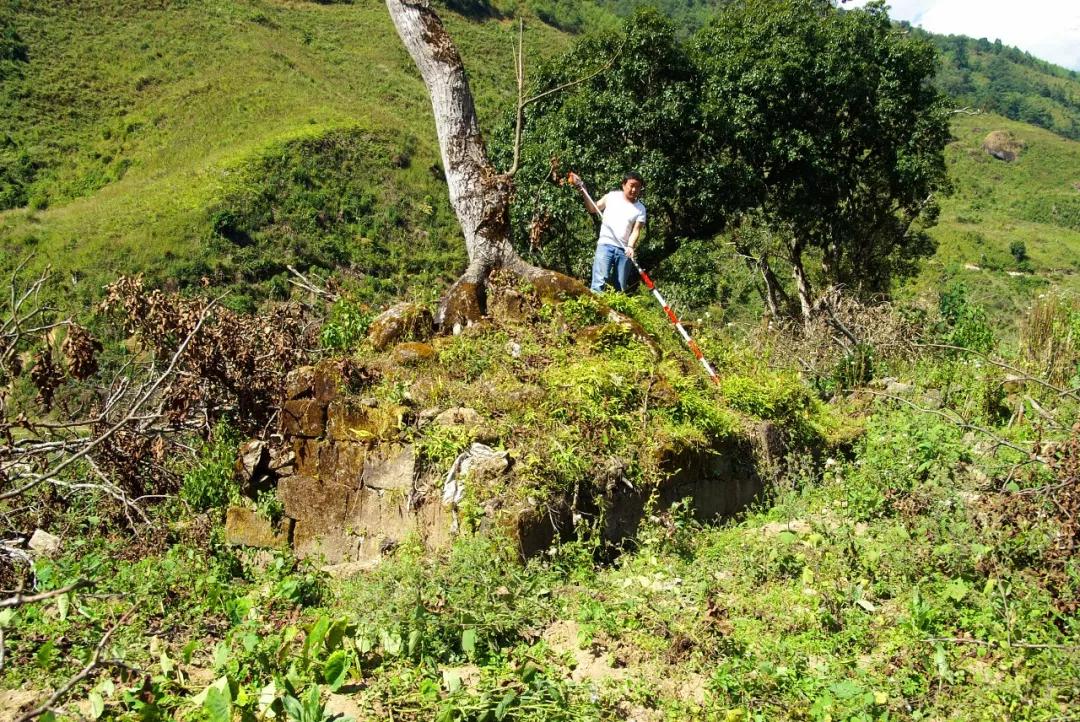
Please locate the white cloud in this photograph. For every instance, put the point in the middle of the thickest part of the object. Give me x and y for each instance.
(1048, 29)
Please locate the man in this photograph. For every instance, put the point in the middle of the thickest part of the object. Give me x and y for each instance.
(622, 219)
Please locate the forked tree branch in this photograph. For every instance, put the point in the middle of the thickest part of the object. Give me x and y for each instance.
(523, 102)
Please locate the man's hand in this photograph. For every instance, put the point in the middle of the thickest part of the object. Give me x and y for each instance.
(575, 180)
(630, 252)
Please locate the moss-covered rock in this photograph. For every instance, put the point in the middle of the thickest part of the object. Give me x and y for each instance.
(598, 416)
(401, 322)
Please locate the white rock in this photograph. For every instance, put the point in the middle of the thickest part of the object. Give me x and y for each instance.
(44, 543)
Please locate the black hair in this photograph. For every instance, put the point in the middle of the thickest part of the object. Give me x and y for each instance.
(632, 175)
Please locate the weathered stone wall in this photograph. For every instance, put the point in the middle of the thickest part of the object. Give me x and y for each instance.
(354, 489)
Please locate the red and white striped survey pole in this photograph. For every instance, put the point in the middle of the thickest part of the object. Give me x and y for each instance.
(575, 180)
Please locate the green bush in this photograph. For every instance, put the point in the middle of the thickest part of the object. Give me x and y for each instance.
(210, 483)
(465, 605)
(768, 395)
(346, 325)
(902, 450)
(965, 323)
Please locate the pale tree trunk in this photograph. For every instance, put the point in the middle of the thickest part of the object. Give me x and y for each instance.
(479, 194)
(802, 283)
(773, 294)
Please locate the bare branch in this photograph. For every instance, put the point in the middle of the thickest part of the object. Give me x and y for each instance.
(523, 103)
(961, 423)
(19, 599)
(306, 284)
(1071, 393)
(94, 663)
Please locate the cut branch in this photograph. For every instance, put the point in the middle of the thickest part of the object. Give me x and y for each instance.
(93, 664)
(20, 599)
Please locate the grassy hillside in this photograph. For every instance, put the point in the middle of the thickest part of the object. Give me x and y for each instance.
(229, 140)
(140, 119)
(1010, 230)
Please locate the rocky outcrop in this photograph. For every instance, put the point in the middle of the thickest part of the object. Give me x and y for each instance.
(244, 527)
(354, 487)
(1003, 145)
(401, 322)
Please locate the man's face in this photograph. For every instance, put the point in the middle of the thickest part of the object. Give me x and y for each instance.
(632, 189)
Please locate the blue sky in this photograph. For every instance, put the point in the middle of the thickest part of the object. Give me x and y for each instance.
(1048, 29)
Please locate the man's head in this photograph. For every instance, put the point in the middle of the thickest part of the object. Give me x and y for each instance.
(632, 185)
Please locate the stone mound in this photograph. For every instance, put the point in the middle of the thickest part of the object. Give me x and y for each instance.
(1003, 145)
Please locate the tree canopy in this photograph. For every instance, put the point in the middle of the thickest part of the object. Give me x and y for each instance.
(817, 126)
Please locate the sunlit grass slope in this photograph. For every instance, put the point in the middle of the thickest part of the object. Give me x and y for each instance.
(143, 116)
(1010, 230)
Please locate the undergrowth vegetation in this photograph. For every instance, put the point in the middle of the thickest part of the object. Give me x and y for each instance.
(919, 566)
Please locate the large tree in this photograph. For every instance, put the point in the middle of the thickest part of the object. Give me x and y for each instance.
(643, 113)
(834, 113)
(479, 193)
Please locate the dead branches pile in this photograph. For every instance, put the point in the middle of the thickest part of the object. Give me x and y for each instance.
(845, 333)
(238, 363)
(189, 362)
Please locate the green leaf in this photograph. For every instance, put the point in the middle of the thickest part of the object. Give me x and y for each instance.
(221, 655)
(312, 705)
(414, 641)
(504, 705)
(428, 690)
(468, 642)
(390, 642)
(45, 654)
(335, 669)
(293, 708)
(452, 680)
(316, 635)
(97, 704)
(63, 603)
(956, 590)
(167, 665)
(5, 617)
(218, 705)
(267, 697)
(941, 661)
(336, 635)
(528, 672)
(846, 689)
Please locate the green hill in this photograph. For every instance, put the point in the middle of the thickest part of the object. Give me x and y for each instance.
(1011, 230)
(228, 141)
(135, 128)
(1006, 80)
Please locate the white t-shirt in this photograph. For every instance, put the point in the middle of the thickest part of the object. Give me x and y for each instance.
(618, 219)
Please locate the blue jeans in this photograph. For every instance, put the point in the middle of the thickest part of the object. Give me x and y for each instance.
(608, 261)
